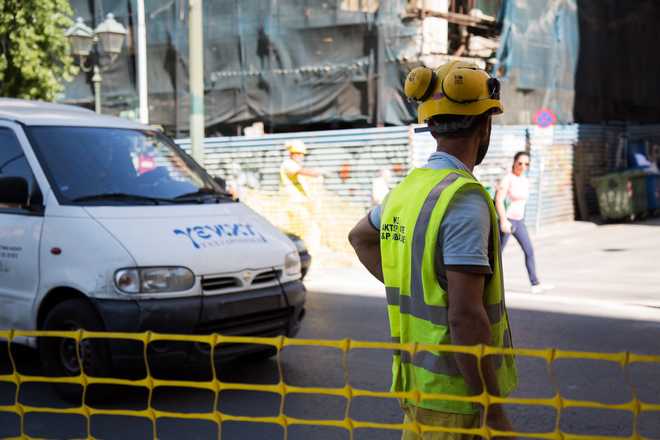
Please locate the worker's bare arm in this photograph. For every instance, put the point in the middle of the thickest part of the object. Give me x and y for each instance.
(365, 239)
(310, 172)
(469, 325)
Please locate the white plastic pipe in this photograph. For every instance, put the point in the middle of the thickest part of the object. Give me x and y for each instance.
(143, 90)
(196, 75)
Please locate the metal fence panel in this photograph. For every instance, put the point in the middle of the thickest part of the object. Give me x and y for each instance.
(564, 160)
(350, 158)
(353, 158)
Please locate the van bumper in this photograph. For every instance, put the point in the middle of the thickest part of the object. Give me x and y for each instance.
(271, 311)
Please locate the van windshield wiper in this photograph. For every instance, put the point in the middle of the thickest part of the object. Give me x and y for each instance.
(122, 196)
(202, 193)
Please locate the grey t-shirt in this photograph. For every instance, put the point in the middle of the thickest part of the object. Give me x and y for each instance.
(466, 224)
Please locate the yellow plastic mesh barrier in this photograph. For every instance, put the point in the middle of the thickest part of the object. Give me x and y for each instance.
(623, 359)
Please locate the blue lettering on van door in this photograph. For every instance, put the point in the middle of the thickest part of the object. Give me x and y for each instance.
(201, 233)
(187, 233)
(202, 236)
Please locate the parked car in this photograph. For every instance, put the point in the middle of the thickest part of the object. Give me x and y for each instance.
(107, 225)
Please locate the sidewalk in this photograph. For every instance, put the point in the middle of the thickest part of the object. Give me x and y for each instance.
(616, 262)
(611, 270)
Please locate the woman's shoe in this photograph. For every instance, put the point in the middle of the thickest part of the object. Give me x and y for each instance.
(540, 288)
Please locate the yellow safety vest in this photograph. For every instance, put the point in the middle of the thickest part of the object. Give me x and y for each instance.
(292, 185)
(417, 293)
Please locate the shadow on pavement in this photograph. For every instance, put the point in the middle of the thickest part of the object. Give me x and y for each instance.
(364, 318)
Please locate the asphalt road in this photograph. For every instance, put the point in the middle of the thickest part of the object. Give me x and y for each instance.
(334, 316)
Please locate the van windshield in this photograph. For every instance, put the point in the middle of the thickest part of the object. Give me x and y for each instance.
(113, 166)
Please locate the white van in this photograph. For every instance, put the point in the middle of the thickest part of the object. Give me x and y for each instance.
(105, 224)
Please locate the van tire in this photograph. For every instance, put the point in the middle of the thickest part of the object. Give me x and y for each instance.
(58, 355)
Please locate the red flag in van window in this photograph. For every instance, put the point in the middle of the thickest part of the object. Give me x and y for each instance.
(146, 163)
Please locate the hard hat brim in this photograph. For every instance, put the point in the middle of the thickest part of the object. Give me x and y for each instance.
(443, 106)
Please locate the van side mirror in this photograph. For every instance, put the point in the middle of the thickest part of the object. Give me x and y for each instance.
(13, 191)
(222, 183)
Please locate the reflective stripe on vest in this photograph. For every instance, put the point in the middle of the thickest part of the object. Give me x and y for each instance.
(439, 315)
(443, 363)
(417, 298)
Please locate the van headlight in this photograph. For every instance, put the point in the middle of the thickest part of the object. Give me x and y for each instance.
(292, 264)
(154, 279)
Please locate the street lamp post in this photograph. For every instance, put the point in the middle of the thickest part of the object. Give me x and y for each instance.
(109, 38)
(96, 80)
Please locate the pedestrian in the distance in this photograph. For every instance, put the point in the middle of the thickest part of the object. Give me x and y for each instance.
(510, 201)
(433, 243)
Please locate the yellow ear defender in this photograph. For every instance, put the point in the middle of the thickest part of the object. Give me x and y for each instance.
(420, 83)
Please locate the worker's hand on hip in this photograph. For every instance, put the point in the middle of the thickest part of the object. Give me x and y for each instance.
(505, 226)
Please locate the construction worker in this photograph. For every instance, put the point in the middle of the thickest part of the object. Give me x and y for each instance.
(300, 206)
(292, 171)
(434, 243)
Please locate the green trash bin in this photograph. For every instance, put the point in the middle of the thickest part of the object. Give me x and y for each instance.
(622, 195)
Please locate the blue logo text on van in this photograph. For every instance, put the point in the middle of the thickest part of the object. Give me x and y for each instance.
(221, 234)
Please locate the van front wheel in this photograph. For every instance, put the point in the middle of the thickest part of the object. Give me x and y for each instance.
(61, 357)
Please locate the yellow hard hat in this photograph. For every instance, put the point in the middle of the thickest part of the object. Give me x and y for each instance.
(456, 88)
(295, 146)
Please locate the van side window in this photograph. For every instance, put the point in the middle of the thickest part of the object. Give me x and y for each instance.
(13, 162)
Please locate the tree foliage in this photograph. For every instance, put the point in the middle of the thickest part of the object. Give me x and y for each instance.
(34, 53)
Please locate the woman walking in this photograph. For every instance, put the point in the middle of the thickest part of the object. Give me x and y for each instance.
(514, 187)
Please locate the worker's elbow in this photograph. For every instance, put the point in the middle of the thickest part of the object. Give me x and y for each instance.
(354, 238)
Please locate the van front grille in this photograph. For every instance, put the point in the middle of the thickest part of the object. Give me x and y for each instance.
(220, 283)
(267, 277)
